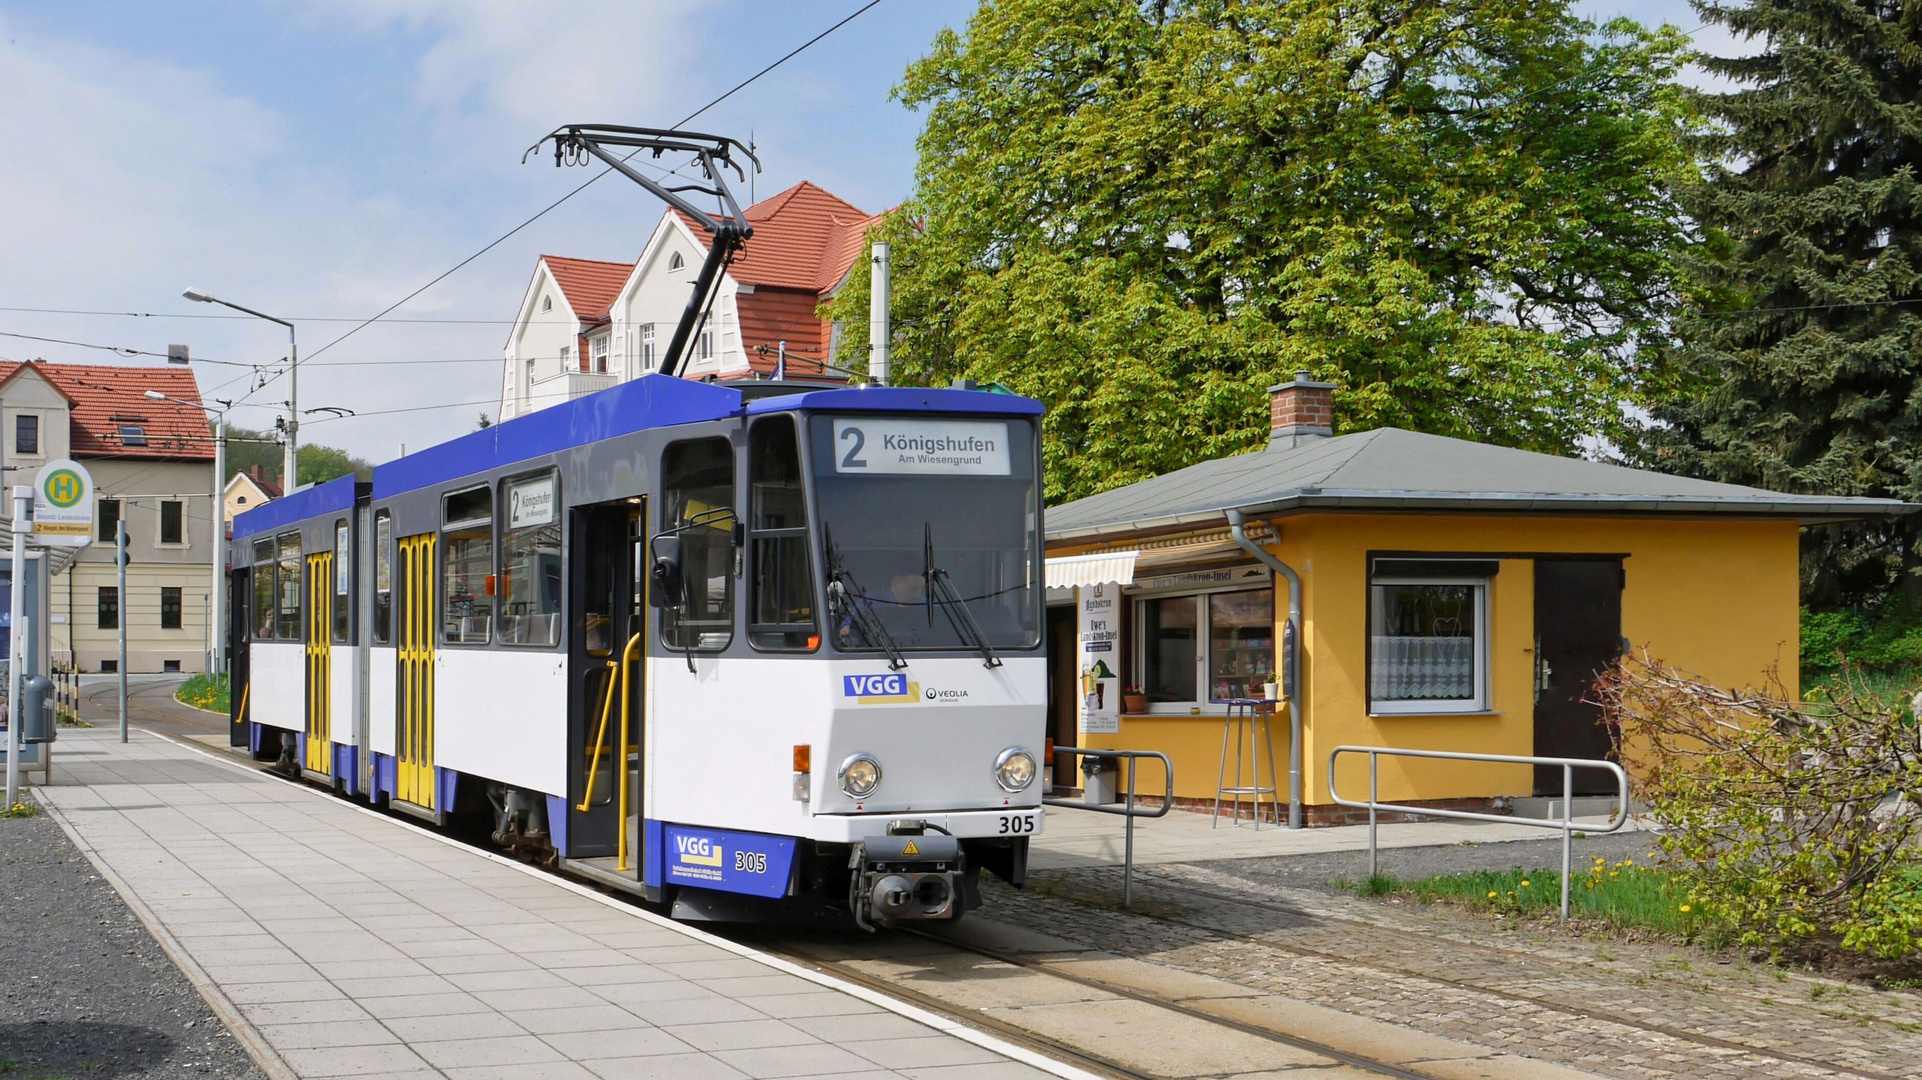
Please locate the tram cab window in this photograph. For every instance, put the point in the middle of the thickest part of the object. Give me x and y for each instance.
(530, 585)
(287, 579)
(383, 578)
(343, 576)
(783, 583)
(467, 566)
(263, 577)
(697, 476)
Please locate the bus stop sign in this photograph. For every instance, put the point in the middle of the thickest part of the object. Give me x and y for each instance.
(63, 505)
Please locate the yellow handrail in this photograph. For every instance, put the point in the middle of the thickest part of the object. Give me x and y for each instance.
(600, 738)
(627, 667)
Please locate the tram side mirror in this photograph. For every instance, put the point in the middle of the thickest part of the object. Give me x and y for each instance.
(669, 585)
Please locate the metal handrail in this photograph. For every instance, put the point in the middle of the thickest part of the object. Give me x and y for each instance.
(1567, 823)
(1127, 809)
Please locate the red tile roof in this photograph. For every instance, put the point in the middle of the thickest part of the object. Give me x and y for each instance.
(770, 316)
(107, 398)
(804, 238)
(589, 284)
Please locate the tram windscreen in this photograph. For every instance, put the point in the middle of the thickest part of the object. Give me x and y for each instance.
(904, 498)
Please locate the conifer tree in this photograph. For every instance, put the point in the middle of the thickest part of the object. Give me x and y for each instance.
(1800, 368)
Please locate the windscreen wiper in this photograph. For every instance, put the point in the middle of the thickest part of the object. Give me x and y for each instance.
(846, 595)
(941, 591)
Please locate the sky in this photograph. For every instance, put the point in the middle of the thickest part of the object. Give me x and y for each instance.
(317, 160)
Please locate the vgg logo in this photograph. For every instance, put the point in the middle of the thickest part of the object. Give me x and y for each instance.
(698, 850)
(890, 687)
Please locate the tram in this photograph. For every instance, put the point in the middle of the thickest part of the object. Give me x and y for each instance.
(758, 652)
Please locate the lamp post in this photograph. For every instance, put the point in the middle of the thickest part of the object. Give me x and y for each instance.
(288, 466)
(218, 651)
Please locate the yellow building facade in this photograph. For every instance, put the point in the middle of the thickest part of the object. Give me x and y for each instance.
(1454, 597)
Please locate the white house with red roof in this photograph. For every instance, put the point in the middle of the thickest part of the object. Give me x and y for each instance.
(152, 465)
(583, 324)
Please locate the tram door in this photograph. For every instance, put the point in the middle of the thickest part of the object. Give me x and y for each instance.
(240, 595)
(320, 653)
(414, 711)
(604, 791)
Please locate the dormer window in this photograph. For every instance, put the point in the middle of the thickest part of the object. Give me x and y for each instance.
(133, 435)
(675, 262)
(547, 303)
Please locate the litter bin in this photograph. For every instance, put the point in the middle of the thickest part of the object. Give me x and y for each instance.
(36, 719)
(1098, 777)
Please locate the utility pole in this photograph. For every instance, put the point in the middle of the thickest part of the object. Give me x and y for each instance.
(287, 469)
(878, 339)
(22, 500)
(217, 643)
(120, 615)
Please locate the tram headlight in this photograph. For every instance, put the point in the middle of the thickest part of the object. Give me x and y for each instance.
(860, 775)
(1014, 770)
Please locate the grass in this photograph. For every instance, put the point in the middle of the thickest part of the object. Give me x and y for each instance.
(20, 809)
(1889, 686)
(1622, 895)
(205, 692)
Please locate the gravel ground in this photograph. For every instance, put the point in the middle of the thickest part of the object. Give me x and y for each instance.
(1322, 871)
(84, 990)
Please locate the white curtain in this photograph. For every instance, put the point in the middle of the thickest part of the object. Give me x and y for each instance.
(1422, 668)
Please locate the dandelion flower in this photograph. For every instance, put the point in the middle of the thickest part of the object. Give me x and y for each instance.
(1685, 909)
(1491, 896)
(1524, 883)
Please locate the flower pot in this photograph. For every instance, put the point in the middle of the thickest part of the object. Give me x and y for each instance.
(1135, 703)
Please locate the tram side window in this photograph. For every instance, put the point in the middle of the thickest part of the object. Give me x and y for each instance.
(467, 566)
(383, 578)
(531, 561)
(263, 590)
(287, 578)
(343, 577)
(783, 584)
(697, 476)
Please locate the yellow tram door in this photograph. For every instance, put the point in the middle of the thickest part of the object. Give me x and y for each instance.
(414, 741)
(320, 706)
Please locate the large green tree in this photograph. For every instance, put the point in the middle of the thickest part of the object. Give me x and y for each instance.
(1145, 212)
(318, 464)
(1799, 366)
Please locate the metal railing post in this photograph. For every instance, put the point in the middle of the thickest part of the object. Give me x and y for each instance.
(1568, 829)
(1374, 797)
(1127, 809)
(1128, 856)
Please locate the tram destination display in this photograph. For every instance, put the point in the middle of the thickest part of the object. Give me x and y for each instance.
(898, 445)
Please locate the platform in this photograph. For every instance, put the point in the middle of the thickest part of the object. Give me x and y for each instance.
(338, 942)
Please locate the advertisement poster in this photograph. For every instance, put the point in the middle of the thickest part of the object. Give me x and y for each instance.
(1100, 658)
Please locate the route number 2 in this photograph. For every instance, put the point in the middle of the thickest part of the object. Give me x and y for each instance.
(859, 441)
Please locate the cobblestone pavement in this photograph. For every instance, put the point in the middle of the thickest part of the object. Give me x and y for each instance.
(1618, 1008)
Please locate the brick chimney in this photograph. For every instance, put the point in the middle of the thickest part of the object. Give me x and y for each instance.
(1300, 412)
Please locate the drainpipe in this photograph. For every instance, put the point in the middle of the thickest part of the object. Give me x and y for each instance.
(1237, 528)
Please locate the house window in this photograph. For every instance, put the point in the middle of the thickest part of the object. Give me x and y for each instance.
(707, 341)
(1428, 636)
(600, 355)
(567, 356)
(172, 528)
(675, 262)
(169, 608)
(26, 434)
(1205, 647)
(547, 303)
(109, 610)
(647, 347)
(108, 513)
(530, 377)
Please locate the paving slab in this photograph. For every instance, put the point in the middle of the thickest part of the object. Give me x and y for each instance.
(336, 942)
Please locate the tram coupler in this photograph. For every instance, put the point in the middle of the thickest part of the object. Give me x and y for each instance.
(904, 878)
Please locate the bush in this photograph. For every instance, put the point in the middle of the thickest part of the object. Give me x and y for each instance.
(1877, 639)
(1787, 821)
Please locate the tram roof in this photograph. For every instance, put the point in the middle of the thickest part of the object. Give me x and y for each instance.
(651, 401)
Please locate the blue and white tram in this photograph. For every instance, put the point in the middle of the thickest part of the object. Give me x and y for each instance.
(761, 652)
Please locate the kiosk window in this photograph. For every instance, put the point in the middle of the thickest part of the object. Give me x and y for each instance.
(343, 577)
(1208, 647)
(1427, 645)
(531, 561)
(383, 578)
(783, 611)
(467, 567)
(697, 476)
(263, 590)
(287, 581)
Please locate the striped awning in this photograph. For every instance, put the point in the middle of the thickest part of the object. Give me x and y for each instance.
(1116, 567)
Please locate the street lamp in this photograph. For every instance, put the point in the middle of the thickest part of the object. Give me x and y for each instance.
(218, 657)
(288, 466)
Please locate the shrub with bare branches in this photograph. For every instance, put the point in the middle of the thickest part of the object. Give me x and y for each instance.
(1789, 820)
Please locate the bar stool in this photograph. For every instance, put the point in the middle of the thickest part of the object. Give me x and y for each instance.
(1249, 716)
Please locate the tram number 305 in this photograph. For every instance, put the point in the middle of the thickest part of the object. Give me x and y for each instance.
(751, 862)
(1017, 823)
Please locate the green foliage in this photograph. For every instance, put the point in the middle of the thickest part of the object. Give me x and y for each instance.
(19, 810)
(1622, 894)
(1146, 214)
(1788, 821)
(1798, 366)
(318, 464)
(1878, 639)
(205, 692)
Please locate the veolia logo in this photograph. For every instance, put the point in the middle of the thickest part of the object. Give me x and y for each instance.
(63, 488)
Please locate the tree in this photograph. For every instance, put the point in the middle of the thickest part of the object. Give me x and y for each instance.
(484, 422)
(1798, 367)
(247, 449)
(1145, 213)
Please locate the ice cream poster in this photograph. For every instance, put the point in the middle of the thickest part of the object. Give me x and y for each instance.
(1100, 637)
